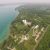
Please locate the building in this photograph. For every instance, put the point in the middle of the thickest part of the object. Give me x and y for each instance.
(26, 22)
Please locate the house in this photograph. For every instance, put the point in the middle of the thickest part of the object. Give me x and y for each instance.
(42, 29)
(37, 26)
(37, 36)
(24, 37)
(25, 22)
(35, 30)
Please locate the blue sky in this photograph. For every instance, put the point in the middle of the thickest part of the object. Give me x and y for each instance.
(26, 1)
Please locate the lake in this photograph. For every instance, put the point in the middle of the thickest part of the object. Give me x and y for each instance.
(7, 15)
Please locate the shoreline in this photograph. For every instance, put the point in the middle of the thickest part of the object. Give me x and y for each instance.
(6, 36)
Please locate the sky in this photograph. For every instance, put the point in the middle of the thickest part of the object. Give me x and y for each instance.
(24, 1)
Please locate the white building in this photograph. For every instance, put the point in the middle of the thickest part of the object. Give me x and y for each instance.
(42, 29)
(26, 22)
(23, 38)
(36, 26)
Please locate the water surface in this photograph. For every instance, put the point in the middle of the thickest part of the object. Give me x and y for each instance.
(7, 15)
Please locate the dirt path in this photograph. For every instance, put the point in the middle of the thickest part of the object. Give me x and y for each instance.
(40, 39)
